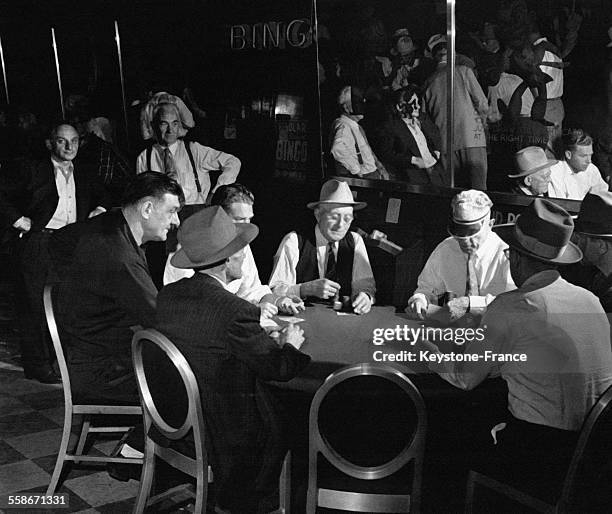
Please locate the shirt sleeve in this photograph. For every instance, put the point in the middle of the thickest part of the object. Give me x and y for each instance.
(598, 184)
(283, 278)
(476, 94)
(211, 159)
(172, 274)
(136, 292)
(141, 162)
(363, 278)
(429, 283)
(251, 289)
(343, 149)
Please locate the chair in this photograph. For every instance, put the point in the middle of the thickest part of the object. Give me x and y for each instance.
(412, 452)
(599, 420)
(86, 410)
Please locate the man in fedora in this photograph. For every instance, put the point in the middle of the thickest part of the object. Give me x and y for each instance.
(556, 341)
(330, 261)
(593, 235)
(470, 263)
(533, 174)
(231, 355)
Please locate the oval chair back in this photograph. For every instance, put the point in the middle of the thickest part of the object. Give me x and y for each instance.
(195, 466)
(412, 451)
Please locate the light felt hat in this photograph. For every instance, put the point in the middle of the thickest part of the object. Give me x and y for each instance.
(210, 236)
(595, 216)
(531, 160)
(469, 208)
(543, 232)
(336, 192)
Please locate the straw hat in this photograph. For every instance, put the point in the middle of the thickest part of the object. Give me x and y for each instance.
(469, 209)
(336, 192)
(530, 160)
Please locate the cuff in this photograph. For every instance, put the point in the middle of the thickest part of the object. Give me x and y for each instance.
(477, 303)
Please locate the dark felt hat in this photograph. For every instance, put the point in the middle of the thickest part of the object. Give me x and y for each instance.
(595, 216)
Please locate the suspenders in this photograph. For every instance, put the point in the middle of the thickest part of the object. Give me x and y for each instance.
(191, 160)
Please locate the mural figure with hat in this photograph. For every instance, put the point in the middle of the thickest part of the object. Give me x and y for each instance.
(331, 261)
(350, 147)
(534, 172)
(470, 114)
(576, 175)
(470, 263)
(231, 355)
(554, 341)
(593, 235)
(404, 59)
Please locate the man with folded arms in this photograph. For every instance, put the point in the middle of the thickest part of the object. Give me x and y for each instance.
(533, 175)
(563, 334)
(331, 261)
(231, 355)
(470, 263)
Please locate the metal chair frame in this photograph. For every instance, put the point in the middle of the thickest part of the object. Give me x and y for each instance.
(86, 410)
(413, 451)
(563, 504)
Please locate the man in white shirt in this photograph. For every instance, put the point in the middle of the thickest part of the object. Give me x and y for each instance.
(237, 201)
(471, 263)
(187, 162)
(533, 175)
(576, 175)
(43, 197)
(331, 262)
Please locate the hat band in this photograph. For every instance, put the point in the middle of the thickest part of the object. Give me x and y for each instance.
(536, 246)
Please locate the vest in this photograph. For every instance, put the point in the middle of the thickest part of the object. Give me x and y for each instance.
(307, 268)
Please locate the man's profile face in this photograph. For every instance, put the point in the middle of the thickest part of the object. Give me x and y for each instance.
(163, 214)
(64, 144)
(240, 212)
(334, 222)
(538, 182)
(233, 270)
(167, 126)
(579, 158)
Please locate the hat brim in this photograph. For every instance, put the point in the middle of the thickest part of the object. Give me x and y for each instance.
(551, 162)
(571, 255)
(355, 205)
(246, 232)
(464, 230)
(589, 229)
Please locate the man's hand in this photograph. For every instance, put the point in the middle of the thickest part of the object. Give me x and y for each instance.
(96, 211)
(321, 288)
(293, 335)
(458, 307)
(23, 224)
(290, 305)
(362, 303)
(417, 305)
(437, 155)
(267, 310)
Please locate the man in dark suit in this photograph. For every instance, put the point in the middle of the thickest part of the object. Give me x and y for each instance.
(407, 143)
(231, 355)
(40, 198)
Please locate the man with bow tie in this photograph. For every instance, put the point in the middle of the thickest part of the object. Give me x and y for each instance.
(39, 199)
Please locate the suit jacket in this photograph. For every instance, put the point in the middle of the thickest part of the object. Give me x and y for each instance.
(105, 289)
(395, 145)
(231, 355)
(29, 190)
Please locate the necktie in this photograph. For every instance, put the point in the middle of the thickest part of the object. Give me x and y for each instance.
(169, 168)
(471, 281)
(330, 269)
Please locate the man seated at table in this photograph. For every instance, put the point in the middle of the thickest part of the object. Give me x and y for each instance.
(331, 261)
(231, 355)
(237, 201)
(470, 263)
(533, 175)
(576, 175)
(560, 336)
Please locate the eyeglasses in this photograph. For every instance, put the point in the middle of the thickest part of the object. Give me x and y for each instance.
(336, 218)
(507, 253)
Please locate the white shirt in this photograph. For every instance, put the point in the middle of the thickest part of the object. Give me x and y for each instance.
(283, 279)
(347, 132)
(503, 91)
(421, 141)
(566, 183)
(65, 212)
(446, 270)
(206, 159)
(554, 89)
(249, 287)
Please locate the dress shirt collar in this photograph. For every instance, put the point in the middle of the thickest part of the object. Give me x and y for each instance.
(540, 280)
(320, 239)
(223, 284)
(538, 41)
(173, 147)
(66, 167)
(350, 120)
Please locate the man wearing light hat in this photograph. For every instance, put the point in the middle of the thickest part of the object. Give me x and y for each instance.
(533, 175)
(469, 263)
(231, 355)
(558, 339)
(331, 261)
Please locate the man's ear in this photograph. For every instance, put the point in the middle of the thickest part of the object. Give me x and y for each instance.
(146, 208)
(527, 180)
(48, 144)
(568, 155)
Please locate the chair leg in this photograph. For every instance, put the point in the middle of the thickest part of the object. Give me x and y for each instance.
(82, 438)
(61, 455)
(146, 477)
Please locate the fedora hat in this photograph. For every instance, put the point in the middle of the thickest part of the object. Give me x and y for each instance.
(595, 216)
(530, 160)
(210, 236)
(435, 40)
(543, 232)
(336, 192)
(469, 209)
